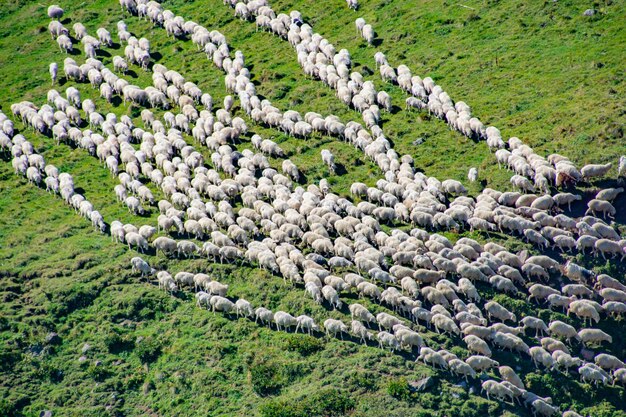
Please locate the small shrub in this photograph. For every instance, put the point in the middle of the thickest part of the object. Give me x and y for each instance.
(148, 350)
(116, 343)
(326, 402)
(266, 377)
(303, 344)
(399, 388)
(364, 380)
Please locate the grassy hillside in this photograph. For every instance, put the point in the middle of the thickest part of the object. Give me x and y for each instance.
(540, 71)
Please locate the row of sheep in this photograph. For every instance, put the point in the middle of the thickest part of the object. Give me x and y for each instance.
(492, 134)
(511, 388)
(27, 162)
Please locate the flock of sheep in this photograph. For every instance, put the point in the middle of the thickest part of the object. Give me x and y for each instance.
(243, 209)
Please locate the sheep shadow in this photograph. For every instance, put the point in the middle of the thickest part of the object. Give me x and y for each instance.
(156, 56)
(116, 101)
(103, 53)
(340, 169)
(377, 42)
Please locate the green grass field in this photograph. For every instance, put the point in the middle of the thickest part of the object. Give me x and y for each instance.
(540, 71)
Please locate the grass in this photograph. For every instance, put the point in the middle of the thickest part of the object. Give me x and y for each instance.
(540, 71)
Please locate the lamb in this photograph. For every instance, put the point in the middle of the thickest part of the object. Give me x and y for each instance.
(595, 170)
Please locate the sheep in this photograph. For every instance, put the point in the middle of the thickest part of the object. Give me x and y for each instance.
(477, 345)
(166, 282)
(306, 323)
(331, 296)
(55, 12)
(184, 279)
(509, 375)
(542, 408)
(264, 315)
(135, 239)
(445, 324)
(595, 170)
(165, 245)
(368, 33)
(481, 363)
(495, 310)
(590, 374)
(609, 194)
(594, 336)
(359, 330)
(458, 367)
(501, 392)
(221, 304)
(329, 159)
(360, 312)
(601, 206)
(139, 265)
(585, 310)
(243, 308)
(608, 362)
(472, 174)
(606, 246)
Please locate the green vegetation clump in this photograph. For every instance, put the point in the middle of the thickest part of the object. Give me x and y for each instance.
(326, 402)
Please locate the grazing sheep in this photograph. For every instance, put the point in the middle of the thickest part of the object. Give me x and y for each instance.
(595, 170)
(594, 336)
